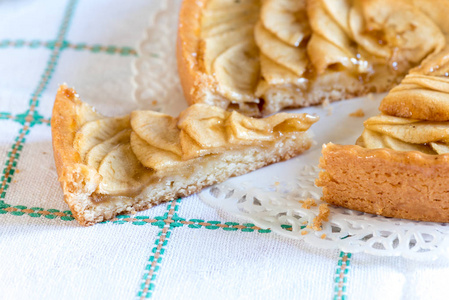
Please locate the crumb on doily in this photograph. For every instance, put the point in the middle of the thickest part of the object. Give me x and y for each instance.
(277, 183)
(323, 216)
(154, 102)
(308, 203)
(323, 236)
(304, 232)
(358, 113)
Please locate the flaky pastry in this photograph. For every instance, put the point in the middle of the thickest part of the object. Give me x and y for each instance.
(259, 57)
(113, 165)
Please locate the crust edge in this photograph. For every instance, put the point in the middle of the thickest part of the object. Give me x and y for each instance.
(187, 47)
(63, 128)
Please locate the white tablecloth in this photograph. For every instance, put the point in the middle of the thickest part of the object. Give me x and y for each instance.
(179, 250)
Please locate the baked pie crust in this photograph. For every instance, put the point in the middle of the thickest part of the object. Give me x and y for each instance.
(113, 165)
(259, 57)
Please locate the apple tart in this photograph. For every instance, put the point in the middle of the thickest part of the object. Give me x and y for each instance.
(400, 165)
(113, 165)
(260, 56)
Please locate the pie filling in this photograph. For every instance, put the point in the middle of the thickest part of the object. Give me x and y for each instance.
(279, 53)
(147, 149)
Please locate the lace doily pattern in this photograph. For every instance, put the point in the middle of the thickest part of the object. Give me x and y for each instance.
(279, 207)
(156, 82)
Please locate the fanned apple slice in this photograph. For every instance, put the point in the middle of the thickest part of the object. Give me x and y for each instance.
(98, 152)
(417, 133)
(330, 45)
(324, 54)
(395, 30)
(287, 19)
(229, 18)
(157, 129)
(294, 59)
(204, 124)
(215, 46)
(420, 96)
(399, 145)
(228, 23)
(391, 120)
(440, 148)
(152, 157)
(122, 173)
(95, 132)
(323, 25)
(243, 130)
(339, 11)
(370, 139)
(275, 74)
(237, 71)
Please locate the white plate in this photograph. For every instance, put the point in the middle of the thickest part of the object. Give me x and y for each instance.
(270, 197)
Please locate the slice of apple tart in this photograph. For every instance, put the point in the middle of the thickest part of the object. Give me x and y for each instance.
(400, 165)
(113, 165)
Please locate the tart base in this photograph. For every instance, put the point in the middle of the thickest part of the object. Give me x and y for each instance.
(408, 185)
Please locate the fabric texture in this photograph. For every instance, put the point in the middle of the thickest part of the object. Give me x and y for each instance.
(183, 249)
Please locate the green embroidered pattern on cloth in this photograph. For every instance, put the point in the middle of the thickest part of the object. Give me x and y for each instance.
(341, 276)
(13, 156)
(110, 49)
(152, 268)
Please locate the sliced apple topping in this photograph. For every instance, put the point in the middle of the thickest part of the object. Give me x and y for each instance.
(292, 58)
(215, 22)
(98, 152)
(94, 132)
(404, 134)
(330, 44)
(276, 74)
(338, 10)
(395, 30)
(157, 129)
(122, 172)
(440, 148)
(419, 96)
(130, 151)
(287, 19)
(370, 139)
(214, 46)
(420, 132)
(237, 71)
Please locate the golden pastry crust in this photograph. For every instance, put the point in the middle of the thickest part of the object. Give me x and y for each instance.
(410, 185)
(187, 46)
(294, 71)
(195, 82)
(109, 166)
(63, 134)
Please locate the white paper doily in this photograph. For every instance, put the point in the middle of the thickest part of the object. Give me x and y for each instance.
(270, 197)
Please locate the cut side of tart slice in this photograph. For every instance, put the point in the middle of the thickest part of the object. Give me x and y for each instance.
(399, 166)
(113, 165)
